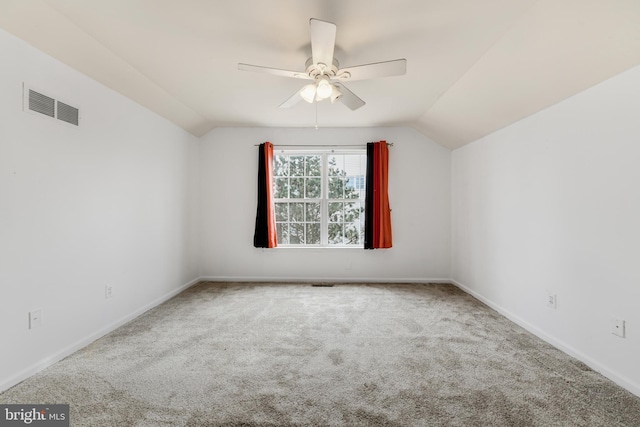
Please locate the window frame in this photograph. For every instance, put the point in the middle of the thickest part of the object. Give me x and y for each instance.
(324, 200)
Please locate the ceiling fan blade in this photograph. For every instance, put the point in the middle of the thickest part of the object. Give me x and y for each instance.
(274, 71)
(293, 100)
(349, 98)
(396, 67)
(323, 41)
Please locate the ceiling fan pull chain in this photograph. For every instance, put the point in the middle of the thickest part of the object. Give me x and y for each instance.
(316, 115)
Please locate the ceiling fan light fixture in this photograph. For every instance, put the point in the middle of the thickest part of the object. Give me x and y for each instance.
(308, 93)
(324, 88)
(335, 94)
(325, 72)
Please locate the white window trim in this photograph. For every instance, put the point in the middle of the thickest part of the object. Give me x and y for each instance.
(324, 200)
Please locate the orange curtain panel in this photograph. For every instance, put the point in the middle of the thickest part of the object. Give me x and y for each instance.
(265, 232)
(377, 222)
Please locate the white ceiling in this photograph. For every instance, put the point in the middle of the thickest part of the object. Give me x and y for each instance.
(473, 66)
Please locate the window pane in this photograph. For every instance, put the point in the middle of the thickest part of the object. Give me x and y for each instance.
(355, 170)
(313, 212)
(282, 212)
(297, 233)
(281, 166)
(282, 188)
(336, 165)
(350, 192)
(296, 190)
(296, 212)
(313, 166)
(313, 188)
(351, 234)
(358, 181)
(351, 187)
(282, 230)
(336, 212)
(352, 211)
(335, 234)
(353, 164)
(296, 165)
(313, 233)
(336, 188)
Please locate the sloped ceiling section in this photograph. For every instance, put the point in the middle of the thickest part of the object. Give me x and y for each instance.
(473, 66)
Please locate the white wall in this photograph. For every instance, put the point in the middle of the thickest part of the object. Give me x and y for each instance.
(419, 188)
(130, 200)
(553, 203)
(114, 201)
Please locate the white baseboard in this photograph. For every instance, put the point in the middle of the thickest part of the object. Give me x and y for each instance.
(264, 279)
(593, 364)
(37, 367)
(56, 357)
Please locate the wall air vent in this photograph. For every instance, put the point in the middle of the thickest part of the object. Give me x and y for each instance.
(43, 104)
(67, 113)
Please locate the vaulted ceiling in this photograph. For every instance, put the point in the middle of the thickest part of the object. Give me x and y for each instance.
(473, 66)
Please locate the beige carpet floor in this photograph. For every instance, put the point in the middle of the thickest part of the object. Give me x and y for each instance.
(241, 354)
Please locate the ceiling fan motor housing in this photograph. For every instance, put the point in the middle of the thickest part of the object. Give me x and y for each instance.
(316, 70)
(325, 70)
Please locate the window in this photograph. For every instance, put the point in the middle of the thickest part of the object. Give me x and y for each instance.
(319, 197)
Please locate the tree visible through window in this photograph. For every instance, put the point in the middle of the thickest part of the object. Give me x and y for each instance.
(319, 198)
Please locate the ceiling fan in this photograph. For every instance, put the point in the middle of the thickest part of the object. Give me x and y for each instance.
(326, 73)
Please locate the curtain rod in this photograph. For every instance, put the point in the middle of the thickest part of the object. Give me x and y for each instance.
(389, 144)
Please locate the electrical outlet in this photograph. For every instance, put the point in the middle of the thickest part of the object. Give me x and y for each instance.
(552, 301)
(108, 291)
(35, 319)
(617, 326)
